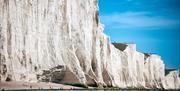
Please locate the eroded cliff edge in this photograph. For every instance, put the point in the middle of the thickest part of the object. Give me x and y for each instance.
(63, 41)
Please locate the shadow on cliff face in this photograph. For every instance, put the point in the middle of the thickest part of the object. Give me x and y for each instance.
(55, 74)
(59, 74)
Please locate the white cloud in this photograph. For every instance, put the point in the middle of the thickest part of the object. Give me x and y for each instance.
(137, 20)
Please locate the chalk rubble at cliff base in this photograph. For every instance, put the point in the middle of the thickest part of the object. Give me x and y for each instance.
(63, 41)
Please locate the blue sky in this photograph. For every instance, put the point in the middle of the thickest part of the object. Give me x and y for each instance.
(154, 25)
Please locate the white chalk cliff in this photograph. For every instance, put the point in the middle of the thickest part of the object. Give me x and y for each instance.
(63, 41)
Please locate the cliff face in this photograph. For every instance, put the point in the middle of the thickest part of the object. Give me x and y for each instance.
(63, 41)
